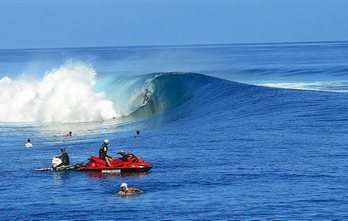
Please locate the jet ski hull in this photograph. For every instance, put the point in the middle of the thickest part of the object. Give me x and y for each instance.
(121, 165)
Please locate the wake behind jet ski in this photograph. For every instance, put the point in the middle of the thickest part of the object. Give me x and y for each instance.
(127, 163)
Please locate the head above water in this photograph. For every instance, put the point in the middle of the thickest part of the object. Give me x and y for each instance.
(28, 140)
(124, 185)
(138, 132)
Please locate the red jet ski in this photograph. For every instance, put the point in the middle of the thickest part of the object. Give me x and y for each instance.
(128, 163)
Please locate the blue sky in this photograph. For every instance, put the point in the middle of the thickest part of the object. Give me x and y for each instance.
(81, 23)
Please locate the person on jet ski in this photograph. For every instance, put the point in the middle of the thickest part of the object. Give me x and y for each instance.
(125, 155)
(103, 152)
(64, 157)
(128, 191)
(122, 153)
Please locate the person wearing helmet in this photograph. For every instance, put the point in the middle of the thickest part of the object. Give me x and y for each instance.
(103, 152)
(128, 191)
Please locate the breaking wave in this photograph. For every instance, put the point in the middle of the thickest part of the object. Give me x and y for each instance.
(62, 95)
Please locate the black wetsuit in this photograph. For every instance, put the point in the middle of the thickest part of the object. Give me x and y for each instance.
(65, 159)
(103, 152)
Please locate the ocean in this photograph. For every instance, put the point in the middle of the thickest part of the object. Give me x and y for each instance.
(240, 131)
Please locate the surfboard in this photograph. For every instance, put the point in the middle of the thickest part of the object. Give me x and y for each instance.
(142, 106)
(69, 167)
(43, 169)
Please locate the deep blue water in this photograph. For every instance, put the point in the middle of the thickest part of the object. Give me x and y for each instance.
(222, 146)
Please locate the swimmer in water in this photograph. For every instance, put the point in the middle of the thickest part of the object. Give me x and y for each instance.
(29, 144)
(128, 191)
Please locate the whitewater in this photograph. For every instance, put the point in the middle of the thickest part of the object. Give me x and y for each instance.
(242, 131)
(62, 95)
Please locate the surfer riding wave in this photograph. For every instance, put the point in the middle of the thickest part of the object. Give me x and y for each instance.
(146, 97)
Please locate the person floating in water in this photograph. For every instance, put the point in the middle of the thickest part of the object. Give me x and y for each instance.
(137, 133)
(146, 97)
(64, 157)
(103, 152)
(29, 144)
(69, 134)
(128, 191)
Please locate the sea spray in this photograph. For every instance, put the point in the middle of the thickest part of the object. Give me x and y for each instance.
(62, 95)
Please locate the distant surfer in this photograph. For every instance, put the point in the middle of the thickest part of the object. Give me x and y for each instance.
(128, 191)
(146, 97)
(28, 144)
(103, 152)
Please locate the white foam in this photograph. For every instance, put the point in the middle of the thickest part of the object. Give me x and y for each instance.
(332, 86)
(62, 95)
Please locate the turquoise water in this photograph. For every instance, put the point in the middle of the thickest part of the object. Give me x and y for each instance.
(223, 146)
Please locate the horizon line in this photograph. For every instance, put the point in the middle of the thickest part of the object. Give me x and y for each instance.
(178, 45)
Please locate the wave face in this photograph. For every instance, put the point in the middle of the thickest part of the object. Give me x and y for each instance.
(169, 90)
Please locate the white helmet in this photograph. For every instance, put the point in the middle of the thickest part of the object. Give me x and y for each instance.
(106, 141)
(124, 185)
